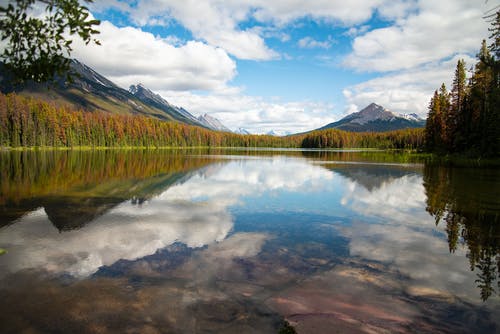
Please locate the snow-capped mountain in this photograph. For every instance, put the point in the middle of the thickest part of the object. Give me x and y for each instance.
(278, 133)
(242, 131)
(212, 123)
(376, 118)
(412, 117)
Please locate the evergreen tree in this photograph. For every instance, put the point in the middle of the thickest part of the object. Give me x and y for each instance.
(455, 120)
(442, 111)
(432, 130)
(480, 100)
(468, 118)
(495, 36)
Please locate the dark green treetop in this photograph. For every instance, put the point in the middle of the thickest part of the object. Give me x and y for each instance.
(37, 47)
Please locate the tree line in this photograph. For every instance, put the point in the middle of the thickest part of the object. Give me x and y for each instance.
(466, 120)
(29, 122)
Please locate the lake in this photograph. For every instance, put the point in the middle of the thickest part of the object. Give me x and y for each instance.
(235, 241)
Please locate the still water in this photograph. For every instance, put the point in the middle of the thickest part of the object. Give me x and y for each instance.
(240, 241)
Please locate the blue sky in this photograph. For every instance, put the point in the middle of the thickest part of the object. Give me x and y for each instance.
(286, 65)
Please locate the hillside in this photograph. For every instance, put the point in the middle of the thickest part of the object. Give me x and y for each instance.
(92, 91)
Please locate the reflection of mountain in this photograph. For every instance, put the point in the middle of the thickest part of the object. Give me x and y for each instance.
(10, 211)
(74, 188)
(373, 177)
(119, 229)
(69, 213)
(73, 212)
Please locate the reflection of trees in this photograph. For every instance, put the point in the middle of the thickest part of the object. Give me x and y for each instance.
(466, 200)
(74, 187)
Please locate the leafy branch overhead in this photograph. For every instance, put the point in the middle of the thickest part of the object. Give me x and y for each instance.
(38, 44)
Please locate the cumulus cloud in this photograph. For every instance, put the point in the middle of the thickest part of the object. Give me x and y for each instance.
(256, 114)
(419, 50)
(129, 55)
(406, 91)
(219, 22)
(439, 29)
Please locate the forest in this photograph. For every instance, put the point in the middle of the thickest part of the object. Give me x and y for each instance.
(28, 122)
(466, 120)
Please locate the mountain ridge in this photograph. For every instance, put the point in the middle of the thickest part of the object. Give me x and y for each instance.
(149, 97)
(212, 123)
(90, 91)
(375, 118)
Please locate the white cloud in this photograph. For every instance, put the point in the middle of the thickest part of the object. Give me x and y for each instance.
(397, 9)
(254, 113)
(406, 91)
(218, 22)
(286, 11)
(212, 21)
(355, 31)
(311, 43)
(128, 56)
(438, 30)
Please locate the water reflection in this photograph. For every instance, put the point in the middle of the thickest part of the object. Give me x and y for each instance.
(188, 243)
(466, 203)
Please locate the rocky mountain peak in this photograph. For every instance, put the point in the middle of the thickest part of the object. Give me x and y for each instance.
(212, 123)
(374, 117)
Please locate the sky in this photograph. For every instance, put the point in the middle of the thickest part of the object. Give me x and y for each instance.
(286, 65)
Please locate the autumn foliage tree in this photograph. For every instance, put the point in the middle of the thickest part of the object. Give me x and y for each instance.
(28, 122)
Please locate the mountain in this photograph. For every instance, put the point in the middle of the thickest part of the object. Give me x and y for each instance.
(155, 100)
(212, 123)
(376, 118)
(242, 131)
(278, 133)
(91, 91)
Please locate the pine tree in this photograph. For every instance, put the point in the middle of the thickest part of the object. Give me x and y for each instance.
(495, 36)
(455, 118)
(431, 126)
(442, 111)
(481, 84)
